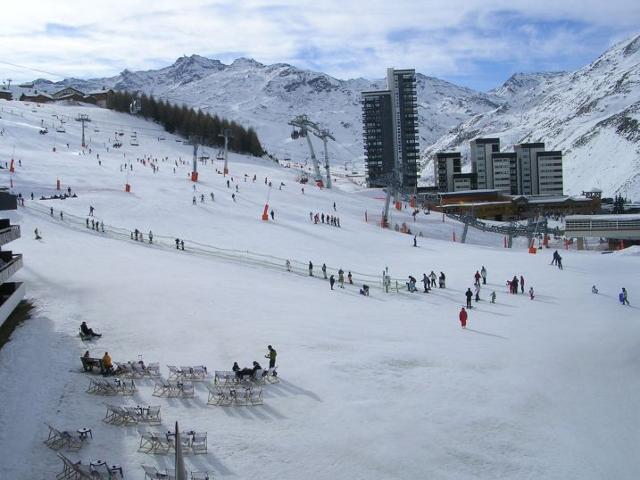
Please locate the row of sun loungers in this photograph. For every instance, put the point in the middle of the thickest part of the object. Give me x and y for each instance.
(130, 415)
(60, 439)
(98, 470)
(152, 473)
(111, 387)
(197, 373)
(173, 388)
(164, 443)
(234, 395)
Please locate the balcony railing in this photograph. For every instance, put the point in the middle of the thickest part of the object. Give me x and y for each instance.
(9, 234)
(7, 270)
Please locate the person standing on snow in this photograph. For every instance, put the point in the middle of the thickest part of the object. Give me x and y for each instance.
(463, 317)
(271, 355)
(477, 289)
(288, 265)
(514, 284)
(493, 297)
(324, 271)
(310, 269)
(91, 209)
(332, 281)
(177, 244)
(150, 236)
(477, 278)
(415, 241)
(531, 294)
(341, 278)
(193, 201)
(469, 295)
(624, 300)
(273, 215)
(483, 273)
(350, 278)
(521, 284)
(432, 275)
(426, 283)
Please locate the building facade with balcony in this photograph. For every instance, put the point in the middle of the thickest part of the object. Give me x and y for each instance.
(390, 131)
(11, 293)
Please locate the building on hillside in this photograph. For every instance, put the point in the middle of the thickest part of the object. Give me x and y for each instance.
(464, 181)
(11, 293)
(549, 179)
(446, 165)
(37, 98)
(390, 131)
(619, 230)
(98, 97)
(504, 172)
(65, 92)
(6, 95)
(527, 167)
(494, 204)
(481, 160)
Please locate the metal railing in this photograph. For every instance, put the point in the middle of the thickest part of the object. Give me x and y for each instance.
(8, 269)
(9, 234)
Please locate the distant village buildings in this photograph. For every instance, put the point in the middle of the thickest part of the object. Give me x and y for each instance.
(98, 97)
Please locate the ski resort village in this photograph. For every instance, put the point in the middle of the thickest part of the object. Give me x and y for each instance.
(237, 270)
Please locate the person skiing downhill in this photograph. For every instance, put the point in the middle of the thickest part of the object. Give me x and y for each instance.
(469, 295)
(463, 317)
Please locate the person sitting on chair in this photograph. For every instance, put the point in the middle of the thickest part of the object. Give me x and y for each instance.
(236, 367)
(88, 332)
(107, 364)
(256, 367)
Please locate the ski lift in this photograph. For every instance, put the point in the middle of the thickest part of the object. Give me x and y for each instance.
(134, 107)
(61, 129)
(178, 140)
(134, 142)
(117, 144)
(44, 131)
(220, 155)
(97, 130)
(121, 133)
(134, 135)
(161, 138)
(295, 134)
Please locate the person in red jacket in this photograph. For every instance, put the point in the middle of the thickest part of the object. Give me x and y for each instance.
(463, 318)
(477, 277)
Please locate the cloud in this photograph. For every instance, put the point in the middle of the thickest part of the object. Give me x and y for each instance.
(475, 43)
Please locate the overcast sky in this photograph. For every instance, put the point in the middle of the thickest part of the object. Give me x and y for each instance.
(478, 44)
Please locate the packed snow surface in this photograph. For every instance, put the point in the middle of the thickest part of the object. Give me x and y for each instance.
(386, 387)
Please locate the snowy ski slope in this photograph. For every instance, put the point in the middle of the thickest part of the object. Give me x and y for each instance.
(387, 386)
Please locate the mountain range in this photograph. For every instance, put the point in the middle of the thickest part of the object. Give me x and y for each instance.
(591, 114)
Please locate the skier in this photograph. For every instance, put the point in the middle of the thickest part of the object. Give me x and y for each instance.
(150, 236)
(441, 280)
(233, 197)
(469, 295)
(213, 197)
(477, 289)
(531, 293)
(425, 282)
(91, 209)
(51, 211)
(415, 241)
(521, 284)
(61, 215)
(332, 281)
(38, 237)
(341, 278)
(559, 262)
(273, 215)
(554, 261)
(477, 278)
(411, 286)
(202, 198)
(463, 317)
(594, 289)
(182, 245)
(514, 285)
(324, 271)
(193, 201)
(493, 297)
(288, 265)
(483, 273)
(334, 206)
(177, 244)
(624, 300)
(87, 221)
(432, 275)
(350, 278)
(310, 269)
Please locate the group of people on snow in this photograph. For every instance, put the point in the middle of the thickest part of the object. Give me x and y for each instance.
(327, 219)
(251, 372)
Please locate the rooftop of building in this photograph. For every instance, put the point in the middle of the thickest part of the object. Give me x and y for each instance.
(531, 145)
(483, 141)
(448, 154)
(550, 153)
(485, 191)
